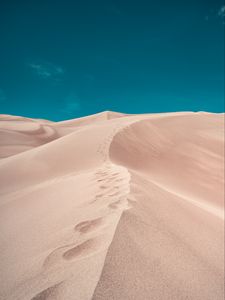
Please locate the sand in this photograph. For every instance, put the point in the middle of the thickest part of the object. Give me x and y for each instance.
(112, 206)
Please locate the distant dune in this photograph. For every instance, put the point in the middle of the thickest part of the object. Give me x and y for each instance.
(112, 206)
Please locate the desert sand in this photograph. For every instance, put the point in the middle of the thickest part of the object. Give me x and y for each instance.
(112, 206)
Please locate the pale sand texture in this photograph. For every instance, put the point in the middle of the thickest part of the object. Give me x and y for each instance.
(112, 206)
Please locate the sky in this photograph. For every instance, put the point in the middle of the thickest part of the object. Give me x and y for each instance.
(65, 59)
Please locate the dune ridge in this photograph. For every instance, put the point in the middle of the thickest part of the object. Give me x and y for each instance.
(112, 206)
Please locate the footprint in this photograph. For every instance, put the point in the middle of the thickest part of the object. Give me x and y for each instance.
(101, 173)
(97, 197)
(47, 293)
(115, 205)
(84, 249)
(114, 189)
(103, 187)
(87, 226)
(114, 194)
(113, 177)
(115, 174)
(119, 180)
(100, 180)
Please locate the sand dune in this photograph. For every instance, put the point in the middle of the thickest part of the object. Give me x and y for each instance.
(112, 206)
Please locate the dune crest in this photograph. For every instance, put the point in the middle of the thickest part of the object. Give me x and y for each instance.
(112, 206)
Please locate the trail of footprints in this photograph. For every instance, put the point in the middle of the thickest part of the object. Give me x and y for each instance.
(113, 189)
(113, 184)
(102, 149)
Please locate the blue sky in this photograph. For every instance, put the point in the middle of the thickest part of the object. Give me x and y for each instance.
(66, 59)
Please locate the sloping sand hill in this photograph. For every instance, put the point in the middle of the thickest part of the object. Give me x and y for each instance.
(112, 206)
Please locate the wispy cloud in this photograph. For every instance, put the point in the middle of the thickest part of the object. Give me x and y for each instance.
(72, 104)
(221, 12)
(2, 95)
(216, 14)
(47, 70)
